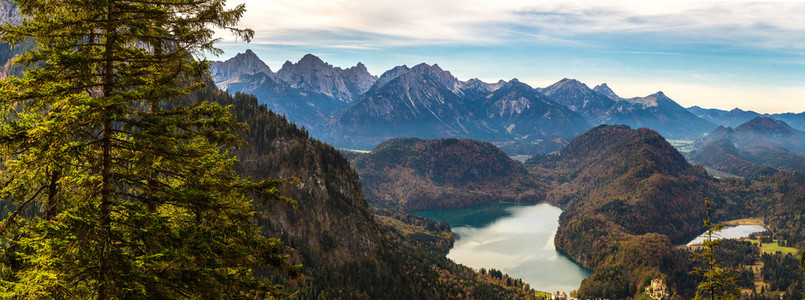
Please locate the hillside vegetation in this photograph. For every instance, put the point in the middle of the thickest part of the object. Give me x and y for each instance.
(412, 174)
(627, 194)
(347, 252)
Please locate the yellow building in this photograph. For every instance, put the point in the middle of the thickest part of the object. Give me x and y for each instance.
(657, 290)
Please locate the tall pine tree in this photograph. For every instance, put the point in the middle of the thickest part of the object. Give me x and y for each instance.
(122, 184)
(719, 282)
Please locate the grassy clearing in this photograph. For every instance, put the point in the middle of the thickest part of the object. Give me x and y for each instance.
(356, 150)
(773, 247)
(747, 221)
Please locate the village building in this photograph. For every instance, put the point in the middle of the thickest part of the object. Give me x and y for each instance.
(657, 290)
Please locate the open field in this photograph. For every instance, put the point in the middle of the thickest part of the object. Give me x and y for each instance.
(358, 151)
(747, 221)
(773, 247)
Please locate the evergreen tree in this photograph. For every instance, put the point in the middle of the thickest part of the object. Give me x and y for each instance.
(122, 184)
(802, 264)
(719, 282)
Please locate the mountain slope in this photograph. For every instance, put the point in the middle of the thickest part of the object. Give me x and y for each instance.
(227, 72)
(775, 157)
(606, 91)
(581, 99)
(345, 253)
(413, 174)
(312, 74)
(760, 130)
(424, 102)
(305, 108)
(601, 105)
(735, 117)
(709, 114)
(795, 120)
(723, 156)
(527, 115)
(659, 113)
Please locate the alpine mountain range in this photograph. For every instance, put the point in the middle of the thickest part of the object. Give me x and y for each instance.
(351, 108)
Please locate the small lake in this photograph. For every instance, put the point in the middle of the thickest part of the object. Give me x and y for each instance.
(514, 238)
(730, 232)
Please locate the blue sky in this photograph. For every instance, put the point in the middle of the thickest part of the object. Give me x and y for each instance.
(715, 54)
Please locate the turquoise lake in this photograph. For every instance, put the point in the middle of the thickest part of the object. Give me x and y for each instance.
(514, 238)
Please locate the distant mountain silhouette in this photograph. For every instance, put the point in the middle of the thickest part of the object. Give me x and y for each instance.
(424, 101)
(722, 155)
(313, 74)
(660, 113)
(579, 98)
(602, 106)
(353, 109)
(527, 114)
(604, 89)
(760, 130)
(736, 117)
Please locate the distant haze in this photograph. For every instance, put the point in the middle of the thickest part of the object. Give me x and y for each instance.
(718, 54)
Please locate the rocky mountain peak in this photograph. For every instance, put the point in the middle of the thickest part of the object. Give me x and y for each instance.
(227, 72)
(390, 75)
(515, 83)
(477, 85)
(313, 74)
(766, 124)
(423, 67)
(310, 60)
(441, 76)
(606, 91)
(568, 83)
(652, 100)
(360, 67)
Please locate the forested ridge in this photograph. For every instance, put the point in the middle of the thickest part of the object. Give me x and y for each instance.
(627, 194)
(346, 250)
(410, 174)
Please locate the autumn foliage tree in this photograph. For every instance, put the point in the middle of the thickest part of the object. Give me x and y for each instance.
(122, 186)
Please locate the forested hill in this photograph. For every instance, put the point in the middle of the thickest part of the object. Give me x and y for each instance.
(722, 155)
(612, 168)
(628, 193)
(345, 253)
(412, 174)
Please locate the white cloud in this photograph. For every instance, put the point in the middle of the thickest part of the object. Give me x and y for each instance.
(396, 22)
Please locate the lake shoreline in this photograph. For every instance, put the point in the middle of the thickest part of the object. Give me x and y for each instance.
(516, 238)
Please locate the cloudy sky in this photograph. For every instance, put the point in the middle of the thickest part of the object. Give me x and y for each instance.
(715, 54)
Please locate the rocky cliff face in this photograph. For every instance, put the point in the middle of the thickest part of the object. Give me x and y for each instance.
(424, 102)
(227, 72)
(660, 113)
(9, 12)
(581, 99)
(528, 115)
(313, 74)
(606, 91)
